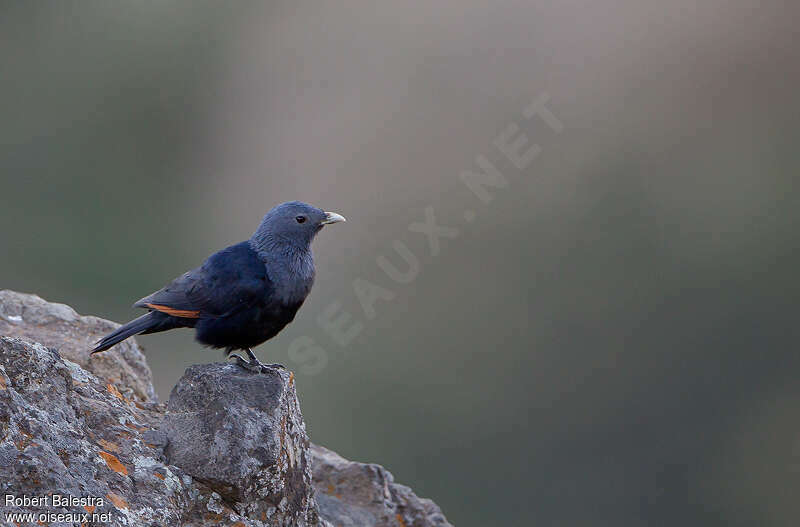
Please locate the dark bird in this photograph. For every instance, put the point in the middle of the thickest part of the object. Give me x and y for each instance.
(242, 295)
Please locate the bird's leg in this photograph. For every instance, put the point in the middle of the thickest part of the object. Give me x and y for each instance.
(252, 357)
(253, 364)
(256, 368)
(273, 366)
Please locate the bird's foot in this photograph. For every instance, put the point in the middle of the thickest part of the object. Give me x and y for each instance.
(264, 367)
(254, 365)
(249, 366)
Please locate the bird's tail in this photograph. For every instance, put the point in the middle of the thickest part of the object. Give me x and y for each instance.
(134, 327)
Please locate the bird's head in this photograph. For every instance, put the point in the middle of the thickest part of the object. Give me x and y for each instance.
(295, 223)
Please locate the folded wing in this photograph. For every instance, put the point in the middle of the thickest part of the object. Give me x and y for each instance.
(230, 280)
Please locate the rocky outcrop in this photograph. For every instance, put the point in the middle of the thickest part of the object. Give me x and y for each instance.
(352, 494)
(60, 327)
(228, 448)
(65, 432)
(242, 434)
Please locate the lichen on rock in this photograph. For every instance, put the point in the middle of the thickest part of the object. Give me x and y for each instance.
(228, 448)
(60, 327)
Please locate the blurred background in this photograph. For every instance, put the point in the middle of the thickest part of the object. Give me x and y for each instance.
(612, 339)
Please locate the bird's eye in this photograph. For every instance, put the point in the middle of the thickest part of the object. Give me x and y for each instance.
(301, 219)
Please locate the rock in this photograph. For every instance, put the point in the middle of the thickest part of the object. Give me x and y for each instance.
(243, 435)
(63, 431)
(353, 494)
(229, 448)
(59, 326)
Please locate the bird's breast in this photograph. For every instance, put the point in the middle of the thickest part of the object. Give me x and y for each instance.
(292, 280)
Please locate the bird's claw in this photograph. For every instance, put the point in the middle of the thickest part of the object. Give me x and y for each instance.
(254, 365)
(249, 366)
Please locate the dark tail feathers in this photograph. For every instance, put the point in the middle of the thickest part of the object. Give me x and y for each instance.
(134, 327)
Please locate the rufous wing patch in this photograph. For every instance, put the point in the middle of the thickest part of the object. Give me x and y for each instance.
(182, 313)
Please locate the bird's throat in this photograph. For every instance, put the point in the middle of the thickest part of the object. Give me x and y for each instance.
(290, 269)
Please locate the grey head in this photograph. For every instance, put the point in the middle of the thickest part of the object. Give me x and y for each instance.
(291, 225)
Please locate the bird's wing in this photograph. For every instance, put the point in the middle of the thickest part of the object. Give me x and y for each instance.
(230, 280)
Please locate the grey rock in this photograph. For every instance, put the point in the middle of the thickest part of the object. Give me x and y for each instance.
(353, 494)
(58, 326)
(63, 432)
(229, 448)
(242, 434)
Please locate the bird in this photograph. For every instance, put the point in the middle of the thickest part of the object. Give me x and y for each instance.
(242, 295)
